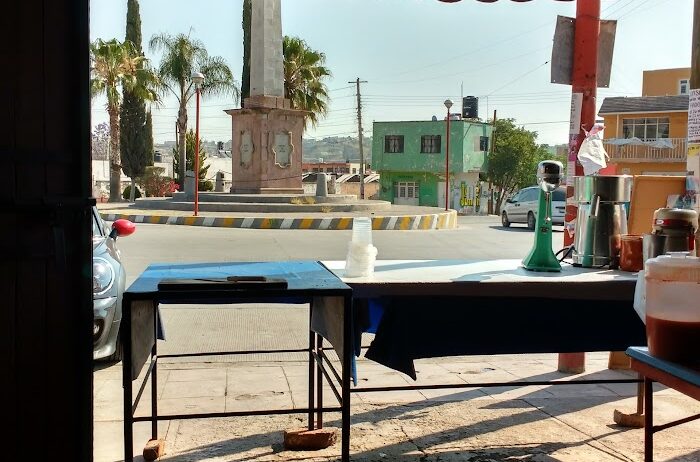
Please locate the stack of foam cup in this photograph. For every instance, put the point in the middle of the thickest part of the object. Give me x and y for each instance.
(361, 253)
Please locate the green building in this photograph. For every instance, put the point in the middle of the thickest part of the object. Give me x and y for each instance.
(410, 158)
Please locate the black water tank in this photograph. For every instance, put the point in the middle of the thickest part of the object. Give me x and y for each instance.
(470, 107)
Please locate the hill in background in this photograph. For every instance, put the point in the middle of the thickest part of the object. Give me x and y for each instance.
(336, 149)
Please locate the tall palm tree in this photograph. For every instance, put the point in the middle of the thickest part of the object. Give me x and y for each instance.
(118, 64)
(181, 56)
(304, 71)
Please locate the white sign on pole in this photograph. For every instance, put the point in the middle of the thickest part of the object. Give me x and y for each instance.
(694, 116)
(575, 118)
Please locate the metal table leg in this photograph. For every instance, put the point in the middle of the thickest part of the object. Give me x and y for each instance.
(347, 366)
(319, 383)
(648, 421)
(125, 334)
(312, 368)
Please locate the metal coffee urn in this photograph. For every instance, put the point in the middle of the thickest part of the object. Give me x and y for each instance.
(601, 219)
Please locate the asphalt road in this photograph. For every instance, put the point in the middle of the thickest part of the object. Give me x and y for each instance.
(475, 238)
(210, 328)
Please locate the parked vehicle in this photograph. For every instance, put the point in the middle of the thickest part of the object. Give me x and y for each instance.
(523, 206)
(108, 284)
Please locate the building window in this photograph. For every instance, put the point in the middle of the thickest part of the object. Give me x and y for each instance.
(315, 169)
(645, 128)
(483, 143)
(430, 143)
(683, 86)
(393, 143)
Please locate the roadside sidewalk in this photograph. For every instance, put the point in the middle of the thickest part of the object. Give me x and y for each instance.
(535, 423)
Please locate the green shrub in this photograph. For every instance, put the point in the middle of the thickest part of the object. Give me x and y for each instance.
(127, 193)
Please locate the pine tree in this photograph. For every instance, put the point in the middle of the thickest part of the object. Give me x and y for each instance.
(148, 136)
(132, 136)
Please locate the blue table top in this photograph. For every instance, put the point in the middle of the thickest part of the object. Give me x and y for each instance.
(684, 373)
(300, 275)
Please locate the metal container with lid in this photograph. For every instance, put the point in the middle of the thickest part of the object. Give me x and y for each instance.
(601, 219)
(674, 230)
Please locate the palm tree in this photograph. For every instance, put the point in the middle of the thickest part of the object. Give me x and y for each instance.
(304, 72)
(181, 56)
(118, 64)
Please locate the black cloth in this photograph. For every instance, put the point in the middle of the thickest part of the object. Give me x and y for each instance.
(428, 327)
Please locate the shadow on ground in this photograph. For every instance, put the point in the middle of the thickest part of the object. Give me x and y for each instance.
(443, 443)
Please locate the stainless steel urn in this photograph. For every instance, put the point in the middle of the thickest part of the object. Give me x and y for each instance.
(601, 219)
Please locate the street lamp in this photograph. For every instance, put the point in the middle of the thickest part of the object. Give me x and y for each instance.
(198, 80)
(448, 105)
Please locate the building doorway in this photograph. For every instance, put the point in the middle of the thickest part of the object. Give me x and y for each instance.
(406, 193)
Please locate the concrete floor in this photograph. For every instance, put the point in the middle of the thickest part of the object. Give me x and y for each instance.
(535, 423)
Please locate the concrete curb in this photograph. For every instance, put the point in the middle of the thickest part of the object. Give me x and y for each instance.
(443, 220)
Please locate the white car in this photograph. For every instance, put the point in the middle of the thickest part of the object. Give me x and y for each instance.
(522, 208)
(108, 282)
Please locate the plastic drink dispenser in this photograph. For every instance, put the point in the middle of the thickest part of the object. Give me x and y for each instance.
(673, 307)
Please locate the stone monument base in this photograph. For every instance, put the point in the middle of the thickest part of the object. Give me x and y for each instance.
(241, 190)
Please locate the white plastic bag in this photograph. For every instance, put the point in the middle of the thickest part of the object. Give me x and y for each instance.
(592, 153)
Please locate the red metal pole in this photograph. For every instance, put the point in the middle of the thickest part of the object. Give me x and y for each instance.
(584, 80)
(196, 159)
(447, 163)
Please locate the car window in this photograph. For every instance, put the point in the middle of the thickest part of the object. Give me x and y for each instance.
(559, 195)
(530, 195)
(97, 229)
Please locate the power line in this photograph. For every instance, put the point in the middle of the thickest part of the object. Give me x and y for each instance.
(519, 77)
(462, 55)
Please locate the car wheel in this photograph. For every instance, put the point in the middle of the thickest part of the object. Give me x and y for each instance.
(117, 355)
(531, 220)
(504, 220)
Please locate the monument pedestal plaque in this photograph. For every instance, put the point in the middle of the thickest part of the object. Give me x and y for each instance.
(266, 147)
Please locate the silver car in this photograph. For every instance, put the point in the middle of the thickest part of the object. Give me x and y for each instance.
(108, 282)
(522, 207)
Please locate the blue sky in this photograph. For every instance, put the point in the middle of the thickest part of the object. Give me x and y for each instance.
(416, 53)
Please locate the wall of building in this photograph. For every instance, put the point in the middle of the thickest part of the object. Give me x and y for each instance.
(649, 168)
(678, 123)
(412, 159)
(427, 186)
(663, 82)
(473, 158)
(428, 170)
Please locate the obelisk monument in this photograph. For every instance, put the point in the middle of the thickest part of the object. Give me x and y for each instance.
(266, 134)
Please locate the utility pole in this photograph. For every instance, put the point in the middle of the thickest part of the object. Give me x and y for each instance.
(492, 147)
(584, 86)
(357, 82)
(693, 159)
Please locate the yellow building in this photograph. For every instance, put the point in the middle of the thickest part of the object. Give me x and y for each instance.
(648, 134)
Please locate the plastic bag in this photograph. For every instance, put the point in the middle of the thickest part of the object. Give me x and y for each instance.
(592, 154)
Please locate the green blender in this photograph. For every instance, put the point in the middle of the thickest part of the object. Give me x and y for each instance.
(541, 257)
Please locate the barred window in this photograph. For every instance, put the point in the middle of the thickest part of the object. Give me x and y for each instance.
(430, 144)
(393, 143)
(483, 143)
